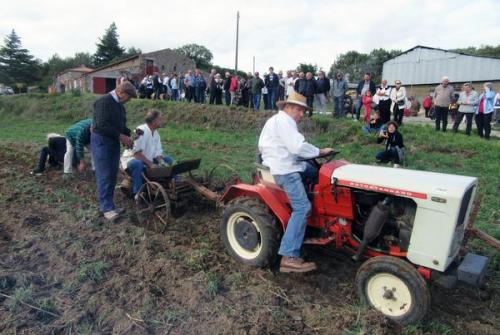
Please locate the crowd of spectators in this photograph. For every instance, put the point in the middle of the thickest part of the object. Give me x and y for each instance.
(378, 102)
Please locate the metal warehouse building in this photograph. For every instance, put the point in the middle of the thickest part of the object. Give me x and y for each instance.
(421, 68)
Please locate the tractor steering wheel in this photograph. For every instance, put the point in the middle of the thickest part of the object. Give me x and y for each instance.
(314, 160)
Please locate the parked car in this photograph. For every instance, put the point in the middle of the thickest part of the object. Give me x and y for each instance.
(6, 90)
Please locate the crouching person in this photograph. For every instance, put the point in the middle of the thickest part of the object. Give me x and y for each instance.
(374, 126)
(77, 139)
(394, 147)
(146, 152)
(54, 152)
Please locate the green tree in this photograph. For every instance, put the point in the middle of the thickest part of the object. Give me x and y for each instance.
(17, 66)
(352, 63)
(304, 67)
(81, 58)
(108, 47)
(483, 50)
(376, 60)
(198, 53)
(132, 52)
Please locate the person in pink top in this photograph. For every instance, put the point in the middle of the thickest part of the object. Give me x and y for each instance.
(367, 103)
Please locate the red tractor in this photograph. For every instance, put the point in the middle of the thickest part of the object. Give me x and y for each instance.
(409, 226)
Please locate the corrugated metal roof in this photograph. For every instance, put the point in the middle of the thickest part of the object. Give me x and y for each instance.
(423, 65)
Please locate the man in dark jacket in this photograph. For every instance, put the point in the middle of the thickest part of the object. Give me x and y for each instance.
(200, 85)
(272, 82)
(227, 84)
(307, 87)
(364, 85)
(257, 84)
(322, 91)
(109, 130)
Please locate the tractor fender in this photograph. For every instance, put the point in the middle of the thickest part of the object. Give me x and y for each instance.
(270, 198)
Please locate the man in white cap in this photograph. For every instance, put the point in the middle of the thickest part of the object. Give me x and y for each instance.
(281, 145)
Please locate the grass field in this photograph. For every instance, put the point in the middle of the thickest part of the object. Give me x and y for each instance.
(106, 264)
(220, 137)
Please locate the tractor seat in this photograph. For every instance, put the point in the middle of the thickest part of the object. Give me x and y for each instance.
(265, 173)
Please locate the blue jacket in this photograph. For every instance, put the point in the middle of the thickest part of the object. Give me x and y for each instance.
(488, 102)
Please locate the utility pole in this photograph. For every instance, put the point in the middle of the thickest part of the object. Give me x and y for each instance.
(253, 67)
(237, 33)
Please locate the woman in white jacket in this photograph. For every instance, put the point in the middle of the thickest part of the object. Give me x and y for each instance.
(398, 97)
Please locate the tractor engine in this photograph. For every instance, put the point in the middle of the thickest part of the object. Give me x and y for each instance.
(396, 231)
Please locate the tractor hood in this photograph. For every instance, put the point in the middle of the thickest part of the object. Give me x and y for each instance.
(402, 182)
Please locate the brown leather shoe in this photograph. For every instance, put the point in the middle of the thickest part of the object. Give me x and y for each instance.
(296, 264)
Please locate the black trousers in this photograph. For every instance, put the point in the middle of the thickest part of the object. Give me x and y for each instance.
(441, 117)
(384, 107)
(190, 93)
(310, 102)
(459, 119)
(483, 123)
(227, 98)
(427, 112)
(51, 154)
(215, 97)
(390, 155)
(398, 114)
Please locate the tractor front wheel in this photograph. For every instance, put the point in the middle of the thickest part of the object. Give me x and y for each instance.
(394, 288)
(249, 232)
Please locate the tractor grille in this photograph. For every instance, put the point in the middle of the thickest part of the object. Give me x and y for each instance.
(460, 229)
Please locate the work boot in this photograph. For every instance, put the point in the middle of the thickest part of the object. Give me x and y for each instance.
(296, 264)
(37, 172)
(111, 215)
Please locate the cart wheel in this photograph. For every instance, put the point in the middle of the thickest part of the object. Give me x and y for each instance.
(394, 288)
(221, 177)
(153, 206)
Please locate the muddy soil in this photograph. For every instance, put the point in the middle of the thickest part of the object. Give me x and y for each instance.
(101, 278)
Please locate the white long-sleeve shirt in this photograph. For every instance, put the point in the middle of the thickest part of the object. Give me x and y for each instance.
(149, 144)
(280, 144)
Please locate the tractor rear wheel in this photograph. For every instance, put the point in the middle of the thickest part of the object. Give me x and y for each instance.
(249, 232)
(394, 288)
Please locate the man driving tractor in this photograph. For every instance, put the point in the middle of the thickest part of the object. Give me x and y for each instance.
(281, 146)
(146, 152)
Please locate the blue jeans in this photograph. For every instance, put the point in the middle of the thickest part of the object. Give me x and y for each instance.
(368, 130)
(339, 106)
(136, 167)
(272, 95)
(359, 104)
(256, 101)
(175, 94)
(106, 155)
(293, 185)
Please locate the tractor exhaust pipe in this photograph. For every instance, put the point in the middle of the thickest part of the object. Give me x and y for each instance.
(378, 216)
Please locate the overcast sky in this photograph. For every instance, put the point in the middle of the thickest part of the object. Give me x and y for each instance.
(281, 33)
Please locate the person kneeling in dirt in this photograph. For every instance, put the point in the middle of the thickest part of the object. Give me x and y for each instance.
(394, 147)
(280, 145)
(77, 139)
(146, 152)
(54, 152)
